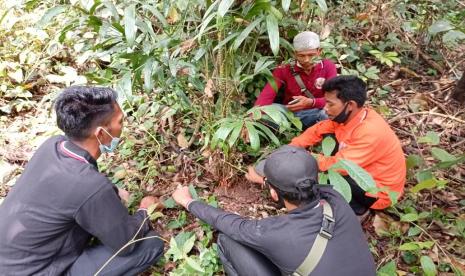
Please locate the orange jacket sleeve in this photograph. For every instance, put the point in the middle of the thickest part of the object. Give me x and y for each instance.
(314, 134)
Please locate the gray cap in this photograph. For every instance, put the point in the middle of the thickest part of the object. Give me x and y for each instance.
(306, 41)
(289, 168)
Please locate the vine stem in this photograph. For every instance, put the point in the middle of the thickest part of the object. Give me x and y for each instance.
(132, 241)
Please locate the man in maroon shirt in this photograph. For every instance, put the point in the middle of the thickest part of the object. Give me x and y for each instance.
(302, 81)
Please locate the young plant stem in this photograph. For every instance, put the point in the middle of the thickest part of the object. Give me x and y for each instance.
(133, 240)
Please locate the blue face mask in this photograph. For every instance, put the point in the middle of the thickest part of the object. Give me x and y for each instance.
(113, 144)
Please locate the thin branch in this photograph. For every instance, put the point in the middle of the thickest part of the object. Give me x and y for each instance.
(426, 113)
(133, 240)
(122, 248)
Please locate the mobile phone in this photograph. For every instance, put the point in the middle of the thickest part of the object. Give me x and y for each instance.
(294, 101)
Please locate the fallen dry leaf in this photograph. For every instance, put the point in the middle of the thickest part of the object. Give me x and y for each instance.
(209, 88)
(187, 45)
(182, 141)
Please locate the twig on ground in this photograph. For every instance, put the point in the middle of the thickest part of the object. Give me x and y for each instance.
(400, 116)
(458, 143)
(431, 62)
(196, 130)
(438, 104)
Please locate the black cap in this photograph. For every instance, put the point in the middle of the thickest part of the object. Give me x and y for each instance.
(289, 169)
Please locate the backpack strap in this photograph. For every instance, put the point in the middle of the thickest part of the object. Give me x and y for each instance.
(300, 82)
(319, 245)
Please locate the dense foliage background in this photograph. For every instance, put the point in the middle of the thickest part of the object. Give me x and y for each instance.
(187, 73)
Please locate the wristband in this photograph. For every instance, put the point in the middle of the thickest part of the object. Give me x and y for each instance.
(188, 203)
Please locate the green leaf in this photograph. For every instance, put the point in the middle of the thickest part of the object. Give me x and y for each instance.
(111, 7)
(237, 127)
(410, 246)
(425, 184)
(179, 222)
(428, 266)
(322, 178)
(340, 184)
(155, 215)
(388, 269)
(157, 14)
(361, 177)
(393, 197)
(440, 26)
(188, 245)
(245, 33)
(222, 133)
(50, 14)
(414, 160)
(442, 155)
(194, 265)
(426, 244)
(270, 135)
(124, 87)
(413, 246)
(181, 245)
(322, 5)
(273, 33)
(448, 164)
(169, 203)
(224, 6)
(147, 71)
(286, 4)
(328, 145)
(204, 25)
(225, 41)
(413, 231)
(262, 63)
(193, 192)
(409, 217)
(253, 136)
(424, 175)
(275, 12)
(453, 36)
(276, 113)
(431, 138)
(130, 28)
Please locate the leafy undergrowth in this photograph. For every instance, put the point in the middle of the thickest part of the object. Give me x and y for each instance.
(176, 100)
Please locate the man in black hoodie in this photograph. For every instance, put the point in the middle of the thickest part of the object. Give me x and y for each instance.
(320, 234)
(61, 199)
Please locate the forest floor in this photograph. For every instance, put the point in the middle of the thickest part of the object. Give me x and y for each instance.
(417, 104)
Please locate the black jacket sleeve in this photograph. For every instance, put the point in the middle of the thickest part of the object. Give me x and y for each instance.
(246, 231)
(105, 217)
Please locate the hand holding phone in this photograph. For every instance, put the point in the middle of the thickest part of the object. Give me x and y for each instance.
(294, 101)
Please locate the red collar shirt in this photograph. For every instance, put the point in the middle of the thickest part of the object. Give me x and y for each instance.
(314, 81)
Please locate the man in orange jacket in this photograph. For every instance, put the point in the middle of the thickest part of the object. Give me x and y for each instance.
(363, 137)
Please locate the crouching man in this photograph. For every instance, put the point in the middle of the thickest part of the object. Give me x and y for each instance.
(61, 200)
(319, 235)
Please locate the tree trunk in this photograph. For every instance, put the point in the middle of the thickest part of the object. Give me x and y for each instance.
(459, 91)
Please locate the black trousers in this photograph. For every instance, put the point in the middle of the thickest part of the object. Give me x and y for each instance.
(146, 253)
(241, 260)
(360, 203)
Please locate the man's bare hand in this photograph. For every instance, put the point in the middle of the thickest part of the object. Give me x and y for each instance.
(304, 103)
(182, 196)
(148, 201)
(123, 194)
(253, 176)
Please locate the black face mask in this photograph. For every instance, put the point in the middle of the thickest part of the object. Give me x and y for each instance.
(280, 201)
(343, 116)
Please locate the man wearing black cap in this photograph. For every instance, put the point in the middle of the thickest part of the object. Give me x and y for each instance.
(320, 235)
